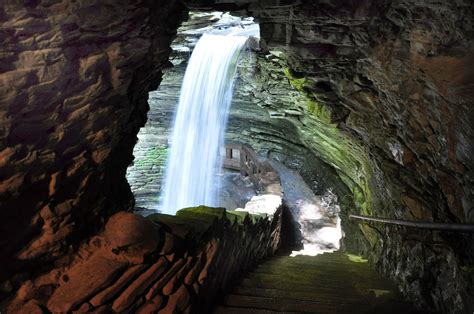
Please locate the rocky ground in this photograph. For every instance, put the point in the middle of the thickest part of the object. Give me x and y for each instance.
(315, 217)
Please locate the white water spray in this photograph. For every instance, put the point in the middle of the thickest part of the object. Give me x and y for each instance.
(200, 121)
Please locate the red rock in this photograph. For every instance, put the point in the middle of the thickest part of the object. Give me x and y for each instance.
(31, 307)
(131, 236)
(67, 73)
(151, 306)
(108, 293)
(140, 285)
(84, 280)
(178, 279)
(178, 301)
(193, 273)
(86, 307)
(155, 289)
(170, 257)
(168, 245)
(26, 290)
(210, 253)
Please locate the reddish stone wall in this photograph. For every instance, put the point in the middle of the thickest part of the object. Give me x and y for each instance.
(173, 264)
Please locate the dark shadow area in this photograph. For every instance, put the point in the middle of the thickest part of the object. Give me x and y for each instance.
(291, 236)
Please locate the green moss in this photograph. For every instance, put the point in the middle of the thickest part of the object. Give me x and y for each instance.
(297, 83)
(237, 216)
(217, 212)
(154, 156)
(312, 105)
(349, 159)
(204, 214)
(204, 218)
(170, 219)
(356, 258)
(380, 293)
(196, 224)
(336, 148)
(318, 110)
(341, 150)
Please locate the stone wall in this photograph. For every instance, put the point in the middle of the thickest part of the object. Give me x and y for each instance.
(175, 264)
(74, 79)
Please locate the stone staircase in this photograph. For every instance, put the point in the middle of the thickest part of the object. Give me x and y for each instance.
(327, 283)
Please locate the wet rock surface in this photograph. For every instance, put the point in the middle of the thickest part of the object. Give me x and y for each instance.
(146, 174)
(332, 92)
(315, 219)
(381, 92)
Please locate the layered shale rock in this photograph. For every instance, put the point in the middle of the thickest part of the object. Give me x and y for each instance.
(384, 96)
(74, 81)
(381, 91)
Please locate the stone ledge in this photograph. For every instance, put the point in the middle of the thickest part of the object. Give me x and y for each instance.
(164, 262)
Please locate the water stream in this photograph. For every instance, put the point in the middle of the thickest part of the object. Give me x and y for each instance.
(199, 125)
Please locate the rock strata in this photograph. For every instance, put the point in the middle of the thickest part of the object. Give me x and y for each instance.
(74, 80)
(381, 91)
(217, 246)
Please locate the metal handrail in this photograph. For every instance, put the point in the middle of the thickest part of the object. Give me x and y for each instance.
(419, 224)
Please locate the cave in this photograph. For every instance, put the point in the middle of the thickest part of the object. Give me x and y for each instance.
(366, 106)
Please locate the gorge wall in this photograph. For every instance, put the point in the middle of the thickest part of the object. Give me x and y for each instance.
(379, 91)
(388, 104)
(74, 80)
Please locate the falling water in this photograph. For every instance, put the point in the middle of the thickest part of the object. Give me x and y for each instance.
(199, 126)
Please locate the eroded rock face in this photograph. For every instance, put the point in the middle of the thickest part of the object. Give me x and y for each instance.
(396, 78)
(163, 263)
(74, 81)
(389, 83)
(388, 88)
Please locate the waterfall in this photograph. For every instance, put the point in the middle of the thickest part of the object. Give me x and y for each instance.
(199, 125)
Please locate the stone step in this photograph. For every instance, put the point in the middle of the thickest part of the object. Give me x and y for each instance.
(321, 277)
(278, 304)
(243, 310)
(253, 304)
(295, 262)
(328, 266)
(324, 288)
(323, 259)
(327, 283)
(319, 267)
(294, 294)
